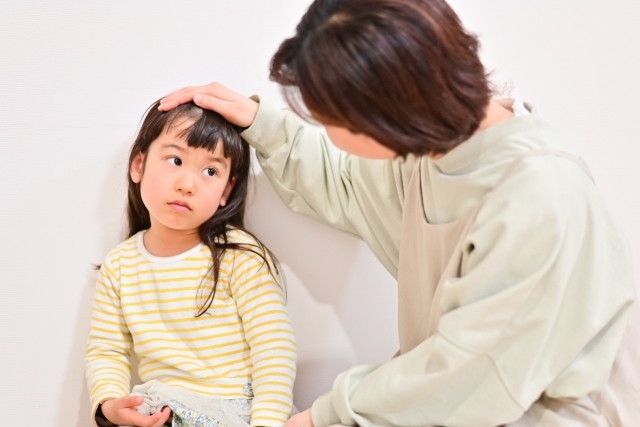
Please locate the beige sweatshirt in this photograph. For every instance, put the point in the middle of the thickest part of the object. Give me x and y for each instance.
(582, 300)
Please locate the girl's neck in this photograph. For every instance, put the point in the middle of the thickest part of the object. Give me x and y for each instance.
(161, 241)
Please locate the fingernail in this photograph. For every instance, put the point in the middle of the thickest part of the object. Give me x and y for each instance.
(197, 98)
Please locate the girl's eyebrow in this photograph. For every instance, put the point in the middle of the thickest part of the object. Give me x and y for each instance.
(218, 160)
(169, 145)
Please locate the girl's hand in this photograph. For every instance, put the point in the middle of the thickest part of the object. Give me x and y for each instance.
(122, 411)
(237, 109)
(303, 419)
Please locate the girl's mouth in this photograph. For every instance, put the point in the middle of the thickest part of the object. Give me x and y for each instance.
(180, 206)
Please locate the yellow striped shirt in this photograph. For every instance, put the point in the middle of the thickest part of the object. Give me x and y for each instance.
(148, 304)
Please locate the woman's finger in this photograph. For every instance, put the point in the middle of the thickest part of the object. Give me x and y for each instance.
(187, 94)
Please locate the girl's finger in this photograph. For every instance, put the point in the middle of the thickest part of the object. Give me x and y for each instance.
(129, 401)
(164, 416)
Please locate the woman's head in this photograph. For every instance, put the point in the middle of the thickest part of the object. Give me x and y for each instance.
(404, 73)
(188, 169)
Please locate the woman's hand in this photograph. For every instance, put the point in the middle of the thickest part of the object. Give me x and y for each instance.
(303, 419)
(122, 411)
(237, 109)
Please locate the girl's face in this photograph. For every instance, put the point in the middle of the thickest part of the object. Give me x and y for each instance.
(182, 187)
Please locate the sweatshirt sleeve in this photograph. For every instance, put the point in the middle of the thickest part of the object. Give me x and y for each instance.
(540, 307)
(108, 368)
(261, 306)
(314, 178)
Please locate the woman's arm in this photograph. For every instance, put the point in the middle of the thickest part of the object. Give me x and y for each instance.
(312, 176)
(545, 291)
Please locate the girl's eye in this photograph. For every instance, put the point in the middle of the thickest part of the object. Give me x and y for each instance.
(175, 161)
(210, 171)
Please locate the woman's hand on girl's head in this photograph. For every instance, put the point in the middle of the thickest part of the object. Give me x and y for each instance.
(122, 411)
(237, 109)
(303, 419)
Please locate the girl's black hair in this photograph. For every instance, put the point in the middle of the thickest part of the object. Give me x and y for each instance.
(207, 131)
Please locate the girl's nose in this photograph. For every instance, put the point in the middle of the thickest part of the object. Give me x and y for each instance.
(185, 183)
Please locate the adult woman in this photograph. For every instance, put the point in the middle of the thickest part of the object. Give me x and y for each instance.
(515, 283)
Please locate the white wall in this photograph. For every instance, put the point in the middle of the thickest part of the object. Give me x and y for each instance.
(75, 79)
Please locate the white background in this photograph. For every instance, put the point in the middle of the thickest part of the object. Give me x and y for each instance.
(75, 79)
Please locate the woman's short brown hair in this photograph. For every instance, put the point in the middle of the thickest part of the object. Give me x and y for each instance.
(404, 72)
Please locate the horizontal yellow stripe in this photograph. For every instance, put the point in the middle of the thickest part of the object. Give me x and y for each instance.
(160, 339)
(197, 360)
(188, 339)
(278, 356)
(122, 325)
(183, 310)
(103, 359)
(158, 301)
(244, 363)
(108, 331)
(193, 259)
(267, 384)
(265, 323)
(243, 304)
(271, 301)
(144, 371)
(257, 410)
(198, 349)
(109, 383)
(189, 319)
(208, 385)
(257, 419)
(277, 339)
(163, 291)
(109, 313)
(253, 339)
(109, 269)
(274, 402)
(123, 376)
(240, 287)
(200, 269)
(105, 291)
(269, 374)
(183, 279)
(136, 265)
(256, 353)
(101, 338)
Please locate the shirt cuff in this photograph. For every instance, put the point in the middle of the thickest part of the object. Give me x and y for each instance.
(323, 413)
(266, 133)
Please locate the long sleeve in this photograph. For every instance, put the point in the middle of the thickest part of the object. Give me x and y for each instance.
(261, 306)
(314, 178)
(540, 307)
(108, 368)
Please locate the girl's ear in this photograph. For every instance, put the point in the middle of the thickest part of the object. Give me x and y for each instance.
(136, 168)
(227, 191)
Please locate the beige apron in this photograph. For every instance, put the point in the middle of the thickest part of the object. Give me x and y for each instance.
(432, 253)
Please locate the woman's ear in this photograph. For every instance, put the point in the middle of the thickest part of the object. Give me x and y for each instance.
(137, 167)
(227, 191)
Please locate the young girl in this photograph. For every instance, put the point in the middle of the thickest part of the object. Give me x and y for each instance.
(192, 293)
